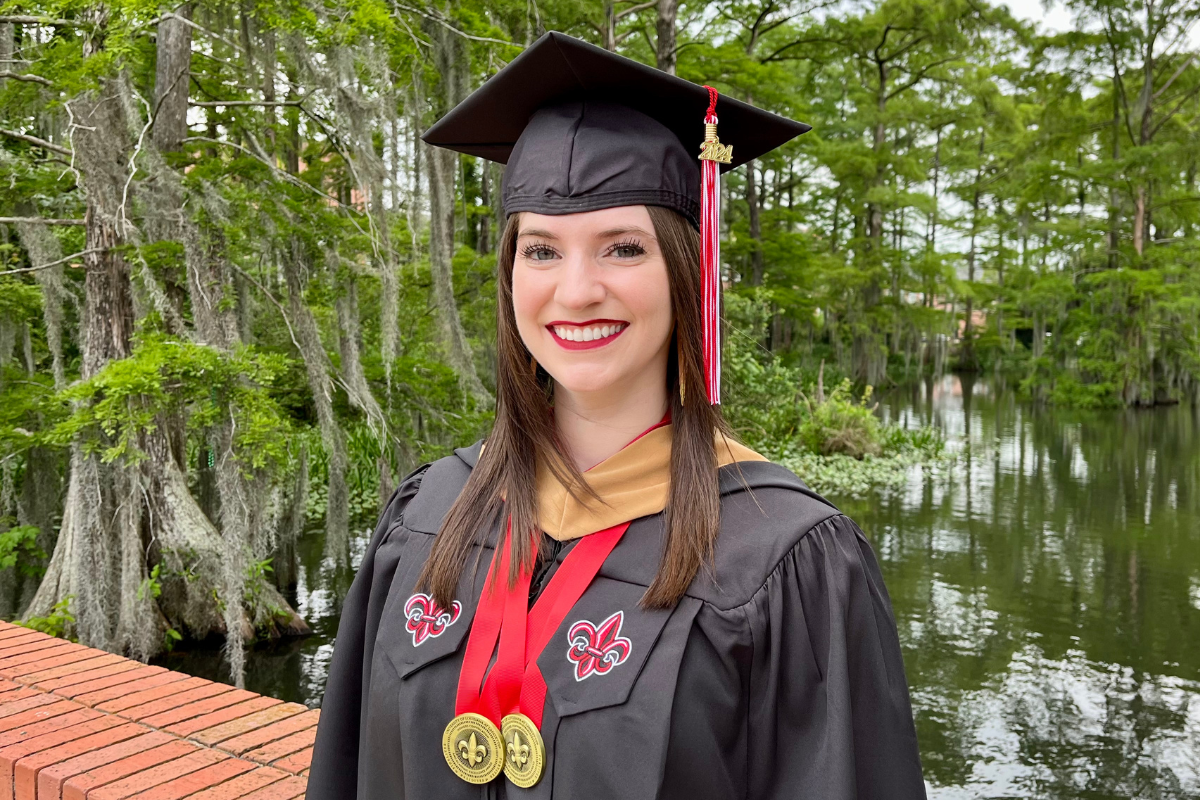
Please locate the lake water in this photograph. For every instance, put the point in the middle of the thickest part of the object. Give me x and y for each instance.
(1046, 589)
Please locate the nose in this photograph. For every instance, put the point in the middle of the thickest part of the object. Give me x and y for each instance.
(579, 283)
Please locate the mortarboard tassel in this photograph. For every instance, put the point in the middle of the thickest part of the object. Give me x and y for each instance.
(712, 153)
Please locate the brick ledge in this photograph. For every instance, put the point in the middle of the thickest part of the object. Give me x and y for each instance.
(77, 723)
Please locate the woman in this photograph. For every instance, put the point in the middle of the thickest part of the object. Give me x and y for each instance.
(612, 598)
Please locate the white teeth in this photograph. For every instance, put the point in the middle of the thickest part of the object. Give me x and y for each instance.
(587, 334)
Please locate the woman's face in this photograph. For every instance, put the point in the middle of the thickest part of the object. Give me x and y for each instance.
(592, 298)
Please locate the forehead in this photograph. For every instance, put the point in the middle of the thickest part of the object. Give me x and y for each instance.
(587, 224)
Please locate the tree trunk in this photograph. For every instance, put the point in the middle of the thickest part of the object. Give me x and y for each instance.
(171, 80)
(320, 383)
(443, 168)
(752, 200)
(665, 56)
(968, 353)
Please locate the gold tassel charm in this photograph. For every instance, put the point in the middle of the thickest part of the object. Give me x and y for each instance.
(712, 149)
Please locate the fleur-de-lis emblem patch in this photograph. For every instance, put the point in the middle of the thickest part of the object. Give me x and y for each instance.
(596, 649)
(426, 620)
(471, 751)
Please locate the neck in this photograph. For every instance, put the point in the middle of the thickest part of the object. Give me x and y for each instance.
(595, 425)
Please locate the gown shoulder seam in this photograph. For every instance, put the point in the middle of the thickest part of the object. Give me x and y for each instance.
(775, 567)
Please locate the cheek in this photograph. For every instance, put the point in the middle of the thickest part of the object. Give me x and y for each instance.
(648, 296)
(530, 296)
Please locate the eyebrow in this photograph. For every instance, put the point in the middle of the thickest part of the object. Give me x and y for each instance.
(541, 234)
(623, 231)
(608, 234)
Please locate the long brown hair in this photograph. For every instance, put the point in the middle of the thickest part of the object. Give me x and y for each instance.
(524, 435)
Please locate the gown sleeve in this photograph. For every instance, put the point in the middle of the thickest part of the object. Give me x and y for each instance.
(333, 773)
(829, 715)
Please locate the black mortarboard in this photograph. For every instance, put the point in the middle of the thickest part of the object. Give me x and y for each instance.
(582, 129)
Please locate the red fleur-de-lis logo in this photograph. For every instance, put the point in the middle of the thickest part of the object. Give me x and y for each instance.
(427, 620)
(596, 649)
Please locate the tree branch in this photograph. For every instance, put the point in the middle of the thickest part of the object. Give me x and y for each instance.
(635, 9)
(1186, 63)
(62, 260)
(40, 221)
(22, 19)
(1186, 96)
(22, 76)
(24, 137)
(216, 103)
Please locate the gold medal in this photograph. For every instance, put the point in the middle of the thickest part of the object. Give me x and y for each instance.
(473, 748)
(526, 754)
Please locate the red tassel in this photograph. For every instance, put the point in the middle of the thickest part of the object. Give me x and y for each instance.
(710, 255)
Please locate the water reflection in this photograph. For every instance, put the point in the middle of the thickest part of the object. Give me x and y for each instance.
(1047, 591)
(1044, 590)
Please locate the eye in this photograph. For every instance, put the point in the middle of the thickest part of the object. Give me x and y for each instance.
(627, 249)
(538, 252)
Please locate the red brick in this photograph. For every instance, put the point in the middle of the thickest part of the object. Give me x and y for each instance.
(159, 702)
(123, 691)
(152, 778)
(296, 763)
(199, 780)
(9, 756)
(17, 633)
(84, 663)
(24, 780)
(22, 643)
(67, 655)
(285, 789)
(12, 659)
(32, 700)
(20, 692)
(241, 785)
(51, 709)
(26, 647)
(8, 629)
(80, 786)
(52, 777)
(268, 733)
(124, 665)
(247, 724)
(281, 747)
(8, 686)
(118, 679)
(46, 726)
(199, 723)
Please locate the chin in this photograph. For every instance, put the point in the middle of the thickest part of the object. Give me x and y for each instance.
(585, 381)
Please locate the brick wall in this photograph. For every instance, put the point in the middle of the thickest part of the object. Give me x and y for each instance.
(80, 724)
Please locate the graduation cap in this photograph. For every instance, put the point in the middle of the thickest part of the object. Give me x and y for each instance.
(582, 129)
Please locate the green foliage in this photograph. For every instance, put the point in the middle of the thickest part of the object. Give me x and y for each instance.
(834, 441)
(151, 586)
(59, 622)
(838, 423)
(20, 551)
(166, 376)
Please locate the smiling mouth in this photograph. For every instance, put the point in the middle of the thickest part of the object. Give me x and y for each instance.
(586, 336)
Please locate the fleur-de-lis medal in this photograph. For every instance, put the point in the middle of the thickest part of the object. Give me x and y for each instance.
(472, 751)
(473, 748)
(526, 752)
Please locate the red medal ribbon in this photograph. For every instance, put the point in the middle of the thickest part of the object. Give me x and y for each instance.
(515, 682)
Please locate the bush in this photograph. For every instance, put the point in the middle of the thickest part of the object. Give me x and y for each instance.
(840, 424)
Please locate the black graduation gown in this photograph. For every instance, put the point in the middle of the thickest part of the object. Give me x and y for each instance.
(778, 675)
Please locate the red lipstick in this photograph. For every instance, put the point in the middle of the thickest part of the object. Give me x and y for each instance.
(568, 344)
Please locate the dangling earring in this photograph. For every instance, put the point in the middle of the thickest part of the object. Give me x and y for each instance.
(682, 382)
